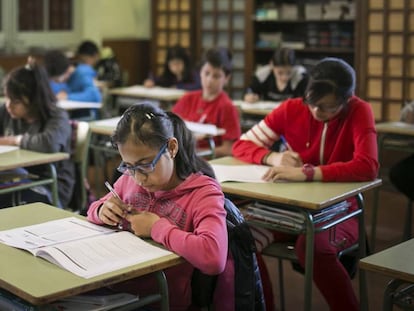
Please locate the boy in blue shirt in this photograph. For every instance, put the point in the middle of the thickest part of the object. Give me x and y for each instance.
(74, 83)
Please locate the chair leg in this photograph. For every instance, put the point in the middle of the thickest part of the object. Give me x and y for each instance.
(281, 285)
(408, 220)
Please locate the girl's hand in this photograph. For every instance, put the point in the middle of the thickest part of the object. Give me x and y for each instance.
(251, 97)
(113, 211)
(284, 173)
(142, 222)
(149, 83)
(286, 158)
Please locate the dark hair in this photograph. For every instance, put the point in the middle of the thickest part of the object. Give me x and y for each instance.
(56, 63)
(283, 57)
(88, 48)
(152, 126)
(177, 52)
(30, 85)
(219, 58)
(330, 76)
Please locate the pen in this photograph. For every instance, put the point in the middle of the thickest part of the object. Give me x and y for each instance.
(285, 143)
(112, 190)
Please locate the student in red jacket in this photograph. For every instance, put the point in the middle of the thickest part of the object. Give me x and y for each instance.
(212, 104)
(330, 134)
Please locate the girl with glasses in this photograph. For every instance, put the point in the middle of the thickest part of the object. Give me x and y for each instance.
(166, 193)
(330, 134)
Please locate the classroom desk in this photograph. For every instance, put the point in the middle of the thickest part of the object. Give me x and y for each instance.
(166, 96)
(40, 282)
(393, 136)
(306, 198)
(395, 262)
(24, 158)
(70, 105)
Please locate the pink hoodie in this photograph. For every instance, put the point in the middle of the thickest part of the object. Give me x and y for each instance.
(192, 225)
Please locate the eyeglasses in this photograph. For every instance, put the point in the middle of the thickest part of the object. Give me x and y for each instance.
(142, 168)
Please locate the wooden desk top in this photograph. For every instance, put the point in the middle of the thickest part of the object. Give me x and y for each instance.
(23, 158)
(38, 281)
(107, 127)
(308, 195)
(157, 93)
(104, 126)
(400, 128)
(395, 262)
(74, 105)
(261, 108)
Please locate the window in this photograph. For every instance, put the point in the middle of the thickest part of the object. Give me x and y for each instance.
(26, 24)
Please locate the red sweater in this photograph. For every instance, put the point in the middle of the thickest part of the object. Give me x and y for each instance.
(220, 111)
(348, 152)
(192, 225)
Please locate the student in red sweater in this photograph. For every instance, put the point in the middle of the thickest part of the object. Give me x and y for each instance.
(331, 137)
(212, 104)
(174, 198)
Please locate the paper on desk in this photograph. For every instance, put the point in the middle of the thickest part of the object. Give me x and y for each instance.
(202, 128)
(265, 105)
(242, 173)
(4, 149)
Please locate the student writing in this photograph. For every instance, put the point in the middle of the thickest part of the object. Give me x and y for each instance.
(174, 198)
(279, 80)
(31, 120)
(178, 71)
(332, 134)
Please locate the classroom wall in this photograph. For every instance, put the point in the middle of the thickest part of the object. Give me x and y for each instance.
(108, 19)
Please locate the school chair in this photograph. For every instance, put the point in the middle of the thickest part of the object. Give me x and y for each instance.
(286, 251)
(247, 282)
(398, 293)
(81, 137)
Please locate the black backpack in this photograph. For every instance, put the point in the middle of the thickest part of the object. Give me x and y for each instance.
(247, 282)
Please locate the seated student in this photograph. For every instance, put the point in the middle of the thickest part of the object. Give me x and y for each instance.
(73, 82)
(109, 72)
(279, 80)
(178, 71)
(174, 198)
(332, 137)
(212, 104)
(31, 120)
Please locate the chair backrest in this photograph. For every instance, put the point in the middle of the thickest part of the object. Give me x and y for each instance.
(247, 282)
(81, 136)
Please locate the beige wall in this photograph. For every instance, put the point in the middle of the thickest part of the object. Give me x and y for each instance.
(109, 19)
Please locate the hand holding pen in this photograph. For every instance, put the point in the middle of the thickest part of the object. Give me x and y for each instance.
(115, 213)
(288, 156)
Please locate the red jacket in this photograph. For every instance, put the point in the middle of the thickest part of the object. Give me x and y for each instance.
(349, 150)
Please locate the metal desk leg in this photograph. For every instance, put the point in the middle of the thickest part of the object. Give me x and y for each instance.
(310, 240)
(163, 285)
(55, 195)
(363, 297)
(381, 139)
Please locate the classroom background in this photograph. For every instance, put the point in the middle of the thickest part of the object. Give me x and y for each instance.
(376, 37)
